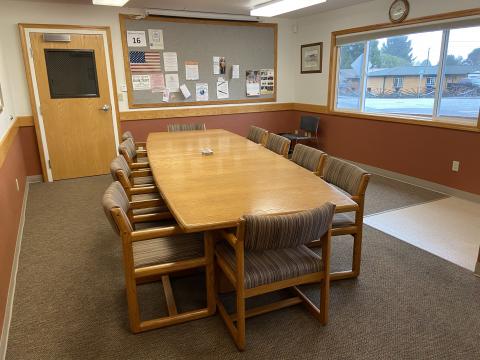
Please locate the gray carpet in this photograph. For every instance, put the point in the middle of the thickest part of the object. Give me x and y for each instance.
(70, 302)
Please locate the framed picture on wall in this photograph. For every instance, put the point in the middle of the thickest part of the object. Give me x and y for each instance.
(311, 58)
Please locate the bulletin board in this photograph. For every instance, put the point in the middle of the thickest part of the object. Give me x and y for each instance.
(250, 46)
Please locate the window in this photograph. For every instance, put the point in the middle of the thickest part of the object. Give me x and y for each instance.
(430, 82)
(433, 75)
(460, 95)
(71, 73)
(397, 83)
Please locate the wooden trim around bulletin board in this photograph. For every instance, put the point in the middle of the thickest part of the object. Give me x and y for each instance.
(128, 73)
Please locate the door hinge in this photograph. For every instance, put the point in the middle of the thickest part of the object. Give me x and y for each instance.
(49, 164)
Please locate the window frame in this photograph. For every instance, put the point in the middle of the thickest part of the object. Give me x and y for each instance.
(434, 120)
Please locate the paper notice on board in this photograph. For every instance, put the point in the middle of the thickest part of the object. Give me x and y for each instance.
(157, 82)
(170, 62)
(267, 81)
(136, 39)
(155, 39)
(172, 83)
(191, 70)
(201, 91)
(235, 71)
(216, 65)
(222, 89)
(166, 96)
(186, 93)
(141, 82)
(253, 82)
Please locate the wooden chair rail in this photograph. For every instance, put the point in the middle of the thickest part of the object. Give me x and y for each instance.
(144, 204)
(143, 218)
(141, 173)
(150, 189)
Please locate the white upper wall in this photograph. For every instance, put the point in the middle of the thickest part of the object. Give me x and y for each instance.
(14, 12)
(7, 112)
(313, 88)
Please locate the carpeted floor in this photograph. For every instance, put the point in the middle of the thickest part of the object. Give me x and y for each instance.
(70, 302)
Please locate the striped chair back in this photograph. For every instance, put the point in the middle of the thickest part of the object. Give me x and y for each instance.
(185, 127)
(116, 198)
(278, 144)
(127, 135)
(121, 172)
(128, 150)
(346, 176)
(257, 134)
(308, 157)
(287, 231)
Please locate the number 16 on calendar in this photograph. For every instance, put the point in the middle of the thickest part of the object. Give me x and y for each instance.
(136, 39)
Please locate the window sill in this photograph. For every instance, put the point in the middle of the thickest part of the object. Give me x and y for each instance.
(455, 124)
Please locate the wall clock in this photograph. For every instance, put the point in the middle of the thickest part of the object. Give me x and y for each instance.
(398, 10)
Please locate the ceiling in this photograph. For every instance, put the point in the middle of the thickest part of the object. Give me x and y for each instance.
(219, 6)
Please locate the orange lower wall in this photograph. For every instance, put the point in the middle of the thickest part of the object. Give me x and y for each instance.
(420, 151)
(274, 121)
(14, 167)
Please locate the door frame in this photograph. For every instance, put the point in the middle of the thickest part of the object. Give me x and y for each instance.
(25, 31)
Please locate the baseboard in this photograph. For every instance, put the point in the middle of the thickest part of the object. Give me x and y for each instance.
(420, 182)
(34, 179)
(13, 276)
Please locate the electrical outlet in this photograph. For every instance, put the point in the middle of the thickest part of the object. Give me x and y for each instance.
(456, 166)
(18, 186)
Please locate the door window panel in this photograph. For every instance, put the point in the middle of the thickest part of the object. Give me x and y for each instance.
(71, 73)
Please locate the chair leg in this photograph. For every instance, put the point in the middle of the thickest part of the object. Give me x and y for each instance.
(240, 322)
(210, 277)
(324, 300)
(132, 303)
(357, 253)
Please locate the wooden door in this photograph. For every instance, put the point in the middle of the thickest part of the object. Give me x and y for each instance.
(75, 105)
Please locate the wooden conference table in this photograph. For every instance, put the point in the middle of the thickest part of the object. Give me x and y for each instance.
(241, 177)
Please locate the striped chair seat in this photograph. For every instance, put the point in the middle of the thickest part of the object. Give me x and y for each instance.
(143, 180)
(185, 127)
(343, 220)
(167, 249)
(269, 266)
(152, 210)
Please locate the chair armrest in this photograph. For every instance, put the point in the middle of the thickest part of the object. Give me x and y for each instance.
(141, 173)
(152, 233)
(144, 204)
(141, 152)
(142, 165)
(151, 189)
(140, 144)
(165, 215)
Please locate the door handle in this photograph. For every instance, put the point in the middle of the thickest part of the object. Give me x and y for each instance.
(105, 108)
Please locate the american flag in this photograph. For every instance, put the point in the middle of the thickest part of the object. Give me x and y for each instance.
(141, 61)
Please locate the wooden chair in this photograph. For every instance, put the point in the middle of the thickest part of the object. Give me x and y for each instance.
(308, 130)
(139, 145)
(310, 158)
(268, 253)
(257, 135)
(354, 181)
(278, 144)
(133, 181)
(185, 127)
(155, 253)
(131, 154)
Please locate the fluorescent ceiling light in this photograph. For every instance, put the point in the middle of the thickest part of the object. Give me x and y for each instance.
(110, 2)
(274, 8)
